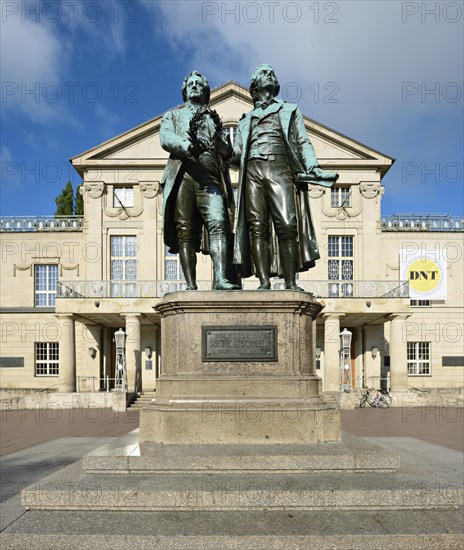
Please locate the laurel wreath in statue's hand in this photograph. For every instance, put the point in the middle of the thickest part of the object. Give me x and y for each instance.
(200, 144)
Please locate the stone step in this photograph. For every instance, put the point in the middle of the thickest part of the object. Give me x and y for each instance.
(126, 455)
(377, 541)
(72, 489)
(267, 529)
(143, 400)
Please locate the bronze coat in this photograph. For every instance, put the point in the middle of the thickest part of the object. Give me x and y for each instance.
(173, 138)
(302, 159)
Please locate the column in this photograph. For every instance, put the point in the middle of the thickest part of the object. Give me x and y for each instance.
(331, 351)
(157, 353)
(67, 354)
(398, 357)
(92, 366)
(133, 355)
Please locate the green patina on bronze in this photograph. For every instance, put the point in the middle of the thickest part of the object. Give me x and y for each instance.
(197, 194)
(274, 231)
(277, 163)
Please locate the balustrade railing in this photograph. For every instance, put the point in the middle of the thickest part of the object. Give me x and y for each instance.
(41, 223)
(396, 222)
(422, 222)
(157, 289)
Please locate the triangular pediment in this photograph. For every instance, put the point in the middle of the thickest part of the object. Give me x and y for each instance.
(141, 144)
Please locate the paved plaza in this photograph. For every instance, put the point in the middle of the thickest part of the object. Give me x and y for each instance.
(36, 444)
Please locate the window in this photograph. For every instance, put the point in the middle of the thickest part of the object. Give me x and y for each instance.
(123, 266)
(340, 266)
(46, 278)
(420, 303)
(418, 358)
(232, 131)
(173, 270)
(47, 359)
(123, 196)
(340, 196)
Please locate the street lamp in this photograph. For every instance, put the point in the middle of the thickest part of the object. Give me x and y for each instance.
(120, 338)
(345, 360)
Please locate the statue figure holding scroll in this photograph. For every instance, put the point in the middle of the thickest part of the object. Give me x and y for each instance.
(197, 194)
(277, 163)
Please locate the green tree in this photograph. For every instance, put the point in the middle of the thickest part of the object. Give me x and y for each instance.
(78, 203)
(65, 201)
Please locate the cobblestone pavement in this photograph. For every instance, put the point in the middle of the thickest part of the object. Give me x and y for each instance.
(22, 429)
(25, 428)
(438, 425)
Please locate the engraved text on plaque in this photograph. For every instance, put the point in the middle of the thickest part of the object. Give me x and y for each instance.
(249, 343)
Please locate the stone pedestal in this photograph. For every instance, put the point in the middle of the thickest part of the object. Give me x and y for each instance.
(238, 368)
(239, 425)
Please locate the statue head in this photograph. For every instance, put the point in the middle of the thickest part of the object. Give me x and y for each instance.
(194, 86)
(263, 77)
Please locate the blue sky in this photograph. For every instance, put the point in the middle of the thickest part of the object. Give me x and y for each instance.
(388, 74)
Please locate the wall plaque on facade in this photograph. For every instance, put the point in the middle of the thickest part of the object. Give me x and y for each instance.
(233, 343)
(452, 361)
(13, 362)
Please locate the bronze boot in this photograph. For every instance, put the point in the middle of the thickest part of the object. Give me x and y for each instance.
(289, 260)
(218, 251)
(262, 260)
(188, 261)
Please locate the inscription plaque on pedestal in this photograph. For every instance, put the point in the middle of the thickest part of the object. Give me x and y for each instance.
(232, 343)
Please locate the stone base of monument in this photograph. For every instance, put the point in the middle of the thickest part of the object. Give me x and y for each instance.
(128, 476)
(128, 456)
(238, 368)
(239, 425)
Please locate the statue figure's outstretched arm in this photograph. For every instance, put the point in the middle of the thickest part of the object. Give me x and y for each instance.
(306, 153)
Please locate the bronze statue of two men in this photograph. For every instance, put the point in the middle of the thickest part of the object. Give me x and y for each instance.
(273, 229)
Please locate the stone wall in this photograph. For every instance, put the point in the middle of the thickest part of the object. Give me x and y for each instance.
(29, 399)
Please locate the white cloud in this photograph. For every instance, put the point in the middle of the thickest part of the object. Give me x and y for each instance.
(367, 51)
(31, 55)
(38, 53)
(370, 52)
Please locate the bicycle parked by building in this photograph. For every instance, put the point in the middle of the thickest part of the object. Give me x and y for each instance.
(375, 398)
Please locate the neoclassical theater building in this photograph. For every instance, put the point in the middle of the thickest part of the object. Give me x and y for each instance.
(68, 284)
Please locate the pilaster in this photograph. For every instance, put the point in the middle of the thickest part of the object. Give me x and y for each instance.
(67, 351)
